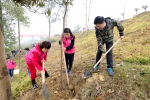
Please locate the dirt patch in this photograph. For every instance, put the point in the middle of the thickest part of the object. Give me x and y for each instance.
(57, 91)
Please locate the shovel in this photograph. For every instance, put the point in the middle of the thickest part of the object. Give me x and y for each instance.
(88, 74)
(45, 91)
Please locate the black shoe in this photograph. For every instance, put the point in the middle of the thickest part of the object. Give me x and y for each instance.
(35, 86)
(46, 74)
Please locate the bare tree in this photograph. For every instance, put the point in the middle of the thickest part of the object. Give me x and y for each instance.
(136, 9)
(144, 7)
(123, 15)
(87, 4)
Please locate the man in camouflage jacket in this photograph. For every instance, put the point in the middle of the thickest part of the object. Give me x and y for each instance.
(104, 34)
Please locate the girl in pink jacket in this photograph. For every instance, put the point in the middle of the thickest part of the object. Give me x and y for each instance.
(10, 66)
(69, 48)
(34, 60)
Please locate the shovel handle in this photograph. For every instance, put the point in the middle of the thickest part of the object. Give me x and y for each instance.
(65, 65)
(107, 52)
(43, 76)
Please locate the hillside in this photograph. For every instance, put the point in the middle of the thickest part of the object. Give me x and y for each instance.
(131, 81)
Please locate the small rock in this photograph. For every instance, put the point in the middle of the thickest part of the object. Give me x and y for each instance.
(119, 64)
(101, 77)
(74, 99)
(134, 77)
(89, 80)
(134, 69)
(55, 92)
(71, 87)
(109, 92)
(51, 82)
(99, 98)
(77, 89)
(95, 76)
(127, 75)
(142, 69)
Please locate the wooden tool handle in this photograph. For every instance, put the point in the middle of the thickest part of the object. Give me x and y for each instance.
(106, 52)
(65, 65)
(43, 75)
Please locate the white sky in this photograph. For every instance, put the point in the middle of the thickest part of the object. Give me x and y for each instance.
(106, 8)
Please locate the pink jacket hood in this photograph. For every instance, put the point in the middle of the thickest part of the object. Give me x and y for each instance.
(41, 54)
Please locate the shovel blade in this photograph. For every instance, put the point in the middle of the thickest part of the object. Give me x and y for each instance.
(87, 74)
(45, 93)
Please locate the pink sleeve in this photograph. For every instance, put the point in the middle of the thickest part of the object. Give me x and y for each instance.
(35, 61)
(45, 58)
(14, 64)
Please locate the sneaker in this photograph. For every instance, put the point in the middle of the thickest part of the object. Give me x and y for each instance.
(96, 68)
(69, 72)
(110, 71)
(35, 86)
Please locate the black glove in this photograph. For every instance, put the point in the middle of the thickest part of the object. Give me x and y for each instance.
(59, 42)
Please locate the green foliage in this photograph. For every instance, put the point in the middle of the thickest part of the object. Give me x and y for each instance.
(144, 61)
(49, 12)
(20, 85)
(9, 37)
(12, 12)
(34, 5)
(29, 3)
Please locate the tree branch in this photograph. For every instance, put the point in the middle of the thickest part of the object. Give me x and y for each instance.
(57, 14)
(91, 1)
(58, 3)
(84, 3)
(33, 10)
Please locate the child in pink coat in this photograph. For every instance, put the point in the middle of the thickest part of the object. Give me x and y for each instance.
(10, 66)
(69, 48)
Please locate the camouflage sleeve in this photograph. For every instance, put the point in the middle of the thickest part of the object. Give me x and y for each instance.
(119, 27)
(100, 42)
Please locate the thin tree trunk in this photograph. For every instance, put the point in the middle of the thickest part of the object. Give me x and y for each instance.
(49, 21)
(5, 88)
(62, 42)
(86, 18)
(19, 40)
(89, 16)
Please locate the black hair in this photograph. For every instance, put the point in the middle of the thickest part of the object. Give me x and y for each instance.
(45, 44)
(68, 30)
(99, 20)
(27, 49)
(8, 56)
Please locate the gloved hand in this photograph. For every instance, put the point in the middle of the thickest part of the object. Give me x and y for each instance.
(59, 42)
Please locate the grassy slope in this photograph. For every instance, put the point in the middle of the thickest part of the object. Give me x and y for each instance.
(127, 82)
(136, 44)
